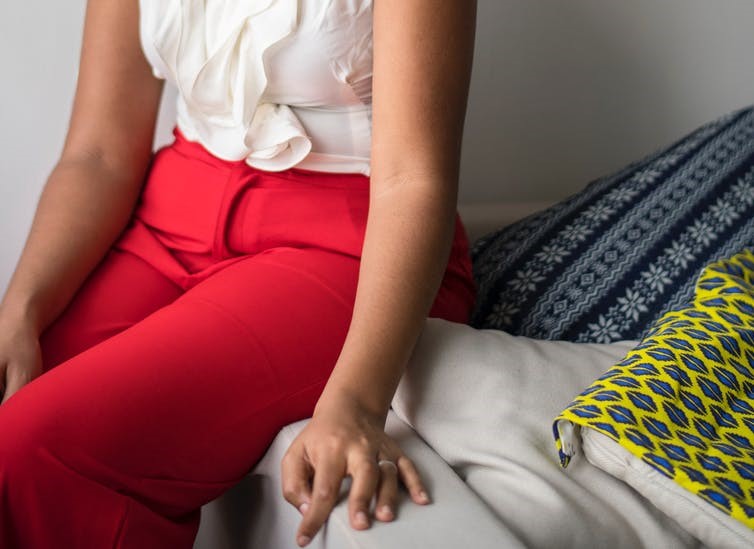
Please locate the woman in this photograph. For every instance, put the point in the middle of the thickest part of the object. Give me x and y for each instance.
(170, 312)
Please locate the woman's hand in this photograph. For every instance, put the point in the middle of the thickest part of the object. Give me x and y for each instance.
(341, 439)
(20, 354)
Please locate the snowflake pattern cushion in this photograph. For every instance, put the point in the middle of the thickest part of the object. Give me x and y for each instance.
(683, 399)
(605, 263)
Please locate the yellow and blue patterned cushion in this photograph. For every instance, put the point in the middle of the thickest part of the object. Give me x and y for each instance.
(683, 399)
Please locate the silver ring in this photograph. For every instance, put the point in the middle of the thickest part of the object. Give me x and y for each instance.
(387, 461)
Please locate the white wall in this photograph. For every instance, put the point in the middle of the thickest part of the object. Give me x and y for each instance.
(562, 92)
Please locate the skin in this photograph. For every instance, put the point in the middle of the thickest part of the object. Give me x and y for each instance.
(91, 192)
(423, 53)
(419, 107)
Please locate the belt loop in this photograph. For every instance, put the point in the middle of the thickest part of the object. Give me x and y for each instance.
(239, 178)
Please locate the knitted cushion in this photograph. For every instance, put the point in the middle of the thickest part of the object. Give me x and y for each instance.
(605, 263)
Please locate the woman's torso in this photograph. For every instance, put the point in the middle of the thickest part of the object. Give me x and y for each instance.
(279, 83)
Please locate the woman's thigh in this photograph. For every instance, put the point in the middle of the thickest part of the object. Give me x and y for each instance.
(119, 292)
(178, 407)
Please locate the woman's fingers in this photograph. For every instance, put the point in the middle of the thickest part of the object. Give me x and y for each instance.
(365, 478)
(296, 473)
(329, 471)
(15, 378)
(3, 382)
(24, 366)
(411, 479)
(331, 447)
(387, 491)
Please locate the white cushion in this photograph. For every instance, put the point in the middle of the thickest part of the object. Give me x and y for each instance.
(705, 521)
(485, 401)
(253, 514)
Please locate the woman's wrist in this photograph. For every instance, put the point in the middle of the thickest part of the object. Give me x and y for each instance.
(340, 398)
(365, 376)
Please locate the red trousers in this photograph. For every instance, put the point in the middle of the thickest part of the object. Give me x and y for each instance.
(213, 321)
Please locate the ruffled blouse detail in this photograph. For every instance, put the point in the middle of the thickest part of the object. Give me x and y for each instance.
(217, 54)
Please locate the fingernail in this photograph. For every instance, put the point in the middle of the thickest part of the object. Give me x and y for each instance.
(386, 511)
(303, 540)
(303, 508)
(423, 496)
(361, 519)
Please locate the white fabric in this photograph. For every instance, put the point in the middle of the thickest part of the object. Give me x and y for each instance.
(279, 83)
(485, 400)
(254, 514)
(705, 521)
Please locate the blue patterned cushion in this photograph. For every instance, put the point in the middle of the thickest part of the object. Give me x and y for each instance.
(605, 263)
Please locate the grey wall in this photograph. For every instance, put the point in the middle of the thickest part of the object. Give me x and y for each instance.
(562, 92)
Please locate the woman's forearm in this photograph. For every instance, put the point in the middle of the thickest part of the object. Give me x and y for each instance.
(421, 71)
(406, 250)
(83, 207)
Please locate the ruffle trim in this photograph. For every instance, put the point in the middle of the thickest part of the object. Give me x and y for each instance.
(222, 89)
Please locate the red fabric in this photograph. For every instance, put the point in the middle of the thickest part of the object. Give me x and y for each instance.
(212, 322)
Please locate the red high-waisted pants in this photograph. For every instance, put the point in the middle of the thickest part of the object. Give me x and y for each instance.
(212, 322)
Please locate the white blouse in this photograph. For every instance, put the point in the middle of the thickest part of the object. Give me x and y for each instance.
(280, 83)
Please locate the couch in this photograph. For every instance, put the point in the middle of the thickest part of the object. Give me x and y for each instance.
(254, 514)
(571, 296)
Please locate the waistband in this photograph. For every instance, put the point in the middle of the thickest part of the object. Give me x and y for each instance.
(197, 150)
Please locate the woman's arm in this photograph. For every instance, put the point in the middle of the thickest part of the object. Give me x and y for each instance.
(423, 53)
(89, 195)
